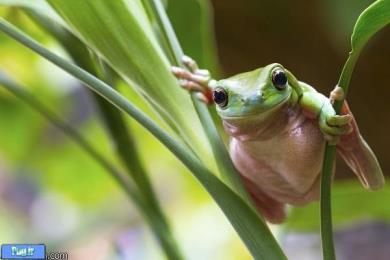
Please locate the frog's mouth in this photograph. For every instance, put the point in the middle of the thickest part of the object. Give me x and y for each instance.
(260, 112)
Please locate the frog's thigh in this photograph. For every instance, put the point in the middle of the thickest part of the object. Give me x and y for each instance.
(272, 210)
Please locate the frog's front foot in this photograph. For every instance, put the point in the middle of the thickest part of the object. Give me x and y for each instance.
(194, 79)
(333, 126)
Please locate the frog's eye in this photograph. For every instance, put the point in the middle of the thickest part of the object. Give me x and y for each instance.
(220, 97)
(279, 79)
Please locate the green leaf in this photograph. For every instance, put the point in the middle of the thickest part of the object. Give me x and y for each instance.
(120, 32)
(371, 20)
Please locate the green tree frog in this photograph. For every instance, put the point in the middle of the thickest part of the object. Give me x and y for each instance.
(278, 127)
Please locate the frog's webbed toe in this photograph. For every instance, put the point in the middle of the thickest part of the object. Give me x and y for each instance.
(194, 79)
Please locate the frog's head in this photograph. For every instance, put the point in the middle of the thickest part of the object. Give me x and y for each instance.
(252, 93)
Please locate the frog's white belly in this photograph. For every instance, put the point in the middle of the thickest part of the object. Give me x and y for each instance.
(285, 166)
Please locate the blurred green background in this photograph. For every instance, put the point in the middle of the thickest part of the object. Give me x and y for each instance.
(52, 192)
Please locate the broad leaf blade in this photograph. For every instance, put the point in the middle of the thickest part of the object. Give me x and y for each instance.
(120, 32)
(370, 21)
(374, 18)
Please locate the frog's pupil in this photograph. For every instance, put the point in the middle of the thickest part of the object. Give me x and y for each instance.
(279, 79)
(220, 97)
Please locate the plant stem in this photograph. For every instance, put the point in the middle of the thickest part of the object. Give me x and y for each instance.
(325, 204)
(345, 78)
(254, 233)
(328, 249)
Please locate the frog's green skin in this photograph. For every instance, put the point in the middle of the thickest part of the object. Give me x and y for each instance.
(253, 94)
(278, 139)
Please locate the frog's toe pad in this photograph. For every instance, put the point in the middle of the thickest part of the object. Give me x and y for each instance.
(190, 85)
(337, 94)
(337, 120)
(190, 64)
(180, 73)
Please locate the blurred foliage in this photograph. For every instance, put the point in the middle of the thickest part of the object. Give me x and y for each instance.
(32, 141)
(311, 38)
(351, 204)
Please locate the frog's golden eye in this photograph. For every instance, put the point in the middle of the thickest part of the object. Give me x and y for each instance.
(279, 79)
(220, 97)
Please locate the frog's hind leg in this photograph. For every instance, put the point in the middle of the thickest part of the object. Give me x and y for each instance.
(356, 152)
(359, 156)
(272, 210)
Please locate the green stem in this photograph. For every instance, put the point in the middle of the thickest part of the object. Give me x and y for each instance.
(225, 164)
(345, 78)
(328, 249)
(255, 234)
(325, 204)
